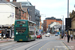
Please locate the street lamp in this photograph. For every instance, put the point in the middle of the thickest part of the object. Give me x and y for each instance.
(62, 26)
(62, 22)
(67, 8)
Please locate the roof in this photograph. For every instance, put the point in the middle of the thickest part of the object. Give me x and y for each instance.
(6, 3)
(18, 4)
(3, 1)
(54, 24)
(26, 3)
(25, 20)
(51, 18)
(58, 19)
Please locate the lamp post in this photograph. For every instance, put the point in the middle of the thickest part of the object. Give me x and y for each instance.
(68, 36)
(67, 8)
(62, 22)
(62, 26)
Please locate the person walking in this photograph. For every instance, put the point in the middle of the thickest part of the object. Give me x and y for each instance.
(7, 35)
(71, 37)
(74, 35)
(65, 34)
(2, 35)
(68, 38)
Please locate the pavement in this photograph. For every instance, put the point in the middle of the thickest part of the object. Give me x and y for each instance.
(70, 45)
(5, 40)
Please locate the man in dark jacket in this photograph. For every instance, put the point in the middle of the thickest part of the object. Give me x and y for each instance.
(7, 35)
(68, 38)
(2, 35)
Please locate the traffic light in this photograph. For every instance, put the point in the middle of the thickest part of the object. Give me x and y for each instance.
(68, 23)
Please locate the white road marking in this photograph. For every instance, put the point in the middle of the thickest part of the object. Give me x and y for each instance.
(33, 46)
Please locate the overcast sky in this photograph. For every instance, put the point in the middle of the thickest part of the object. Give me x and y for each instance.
(49, 8)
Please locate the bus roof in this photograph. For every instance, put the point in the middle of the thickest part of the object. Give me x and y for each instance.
(25, 20)
(31, 21)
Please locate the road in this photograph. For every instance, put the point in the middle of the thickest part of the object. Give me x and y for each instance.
(46, 43)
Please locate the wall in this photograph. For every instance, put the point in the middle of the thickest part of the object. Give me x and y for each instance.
(31, 12)
(49, 21)
(73, 23)
(7, 14)
(59, 22)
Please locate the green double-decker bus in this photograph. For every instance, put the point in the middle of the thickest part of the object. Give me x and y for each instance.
(24, 30)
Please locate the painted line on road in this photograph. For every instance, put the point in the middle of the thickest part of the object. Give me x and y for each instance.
(53, 49)
(43, 45)
(56, 48)
(65, 46)
(48, 48)
(33, 46)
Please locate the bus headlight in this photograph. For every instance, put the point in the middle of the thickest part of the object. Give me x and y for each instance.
(16, 32)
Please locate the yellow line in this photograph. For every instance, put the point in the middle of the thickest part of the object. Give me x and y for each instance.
(53, 49)
(65, 46)
(47, 48)
(56, 48)
(43, 46)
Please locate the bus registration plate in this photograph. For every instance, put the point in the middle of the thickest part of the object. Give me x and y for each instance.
(20, 40)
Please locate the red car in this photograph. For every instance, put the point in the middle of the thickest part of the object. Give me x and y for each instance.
(39, 36)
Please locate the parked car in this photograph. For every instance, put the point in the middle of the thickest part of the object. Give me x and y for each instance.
(56, 34)
(47, 35)
(39, 36)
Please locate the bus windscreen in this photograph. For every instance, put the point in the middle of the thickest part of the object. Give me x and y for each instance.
(20, 29)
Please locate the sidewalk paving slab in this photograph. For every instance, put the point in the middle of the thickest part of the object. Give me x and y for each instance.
(70, 45)
(5, 40)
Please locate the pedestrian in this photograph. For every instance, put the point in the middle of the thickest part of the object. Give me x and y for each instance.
(7, 35)
(65, 34)
(74, 35)
(2, 35)
(68, 38)
(71, 37)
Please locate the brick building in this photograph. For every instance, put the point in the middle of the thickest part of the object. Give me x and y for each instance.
(48, 21)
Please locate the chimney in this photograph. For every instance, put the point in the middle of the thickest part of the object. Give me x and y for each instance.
(14, 0)
(8, 0)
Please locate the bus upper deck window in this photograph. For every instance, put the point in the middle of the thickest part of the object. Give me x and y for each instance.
(21, 22)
